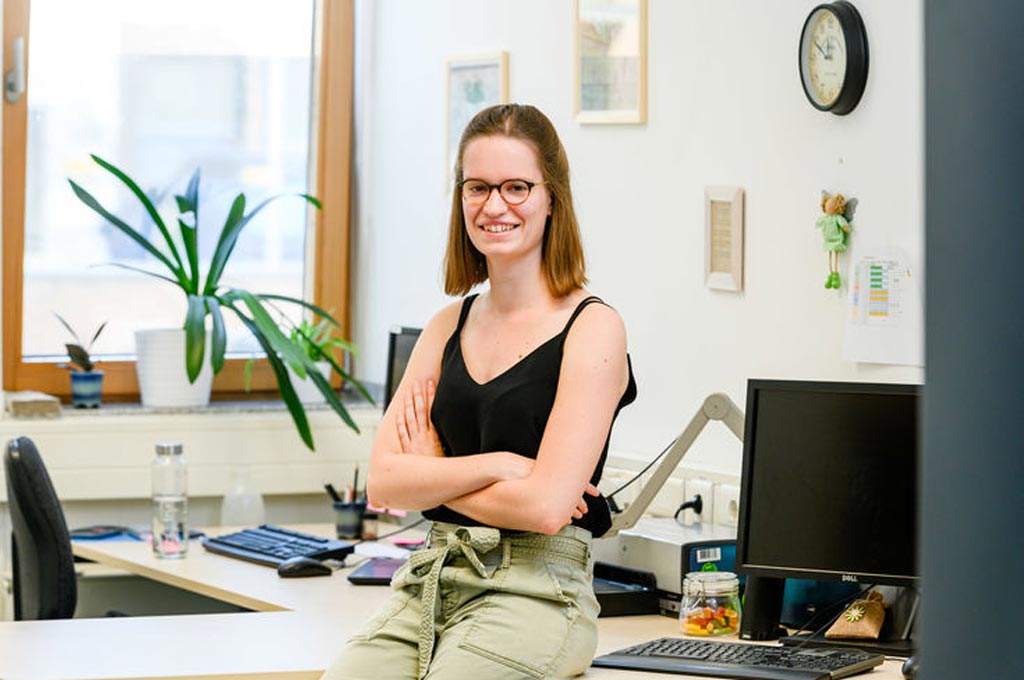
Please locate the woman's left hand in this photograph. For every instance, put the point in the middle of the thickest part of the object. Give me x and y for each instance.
(416, 432)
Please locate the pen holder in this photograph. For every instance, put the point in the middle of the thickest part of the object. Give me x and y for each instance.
(348, 519)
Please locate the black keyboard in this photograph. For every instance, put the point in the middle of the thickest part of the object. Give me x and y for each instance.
(271, 545)
(737, 660)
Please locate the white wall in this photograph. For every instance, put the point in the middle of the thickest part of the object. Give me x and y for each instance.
(725, 106)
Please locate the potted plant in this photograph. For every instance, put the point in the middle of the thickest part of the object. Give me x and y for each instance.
(318, 341)
(86, 379)
(207, 297)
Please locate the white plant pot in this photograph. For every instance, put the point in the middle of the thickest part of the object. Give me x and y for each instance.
(163, 378)
(306, 389)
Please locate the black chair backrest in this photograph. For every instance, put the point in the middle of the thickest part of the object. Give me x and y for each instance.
(44, 570)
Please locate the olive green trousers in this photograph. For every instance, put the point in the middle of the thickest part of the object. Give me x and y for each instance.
(482, 604)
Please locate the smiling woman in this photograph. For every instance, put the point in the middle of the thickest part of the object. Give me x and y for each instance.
(231, 89)
(501, 423)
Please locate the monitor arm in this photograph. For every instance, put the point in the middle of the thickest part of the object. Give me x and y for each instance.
(716, 407)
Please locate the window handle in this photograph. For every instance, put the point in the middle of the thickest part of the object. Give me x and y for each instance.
(14, 80)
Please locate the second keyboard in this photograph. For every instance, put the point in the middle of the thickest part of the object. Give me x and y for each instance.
(271, 545)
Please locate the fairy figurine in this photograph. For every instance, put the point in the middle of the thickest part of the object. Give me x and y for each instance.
(835, 228)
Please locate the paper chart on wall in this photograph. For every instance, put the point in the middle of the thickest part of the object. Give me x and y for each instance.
(884, 325)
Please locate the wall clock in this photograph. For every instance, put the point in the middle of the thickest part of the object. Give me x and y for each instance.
(834, 57)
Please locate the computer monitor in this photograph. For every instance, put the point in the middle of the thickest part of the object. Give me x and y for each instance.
(829, 482)
(401, 340)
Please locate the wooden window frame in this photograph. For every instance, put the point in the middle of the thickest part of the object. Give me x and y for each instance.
(330, 141)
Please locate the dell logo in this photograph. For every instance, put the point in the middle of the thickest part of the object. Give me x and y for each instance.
(849, 578)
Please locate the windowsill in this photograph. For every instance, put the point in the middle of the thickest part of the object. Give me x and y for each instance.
(105, 453)
(350, 399)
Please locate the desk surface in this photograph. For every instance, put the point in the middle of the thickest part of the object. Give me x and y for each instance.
(296, 629)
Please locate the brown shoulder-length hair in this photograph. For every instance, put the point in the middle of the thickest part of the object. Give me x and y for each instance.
(562, 253)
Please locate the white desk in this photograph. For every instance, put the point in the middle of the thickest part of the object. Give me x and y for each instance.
(297, 628)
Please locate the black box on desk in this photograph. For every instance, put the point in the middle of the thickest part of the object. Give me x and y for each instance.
(622, 591)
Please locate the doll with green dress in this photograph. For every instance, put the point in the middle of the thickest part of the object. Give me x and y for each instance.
(835, 229)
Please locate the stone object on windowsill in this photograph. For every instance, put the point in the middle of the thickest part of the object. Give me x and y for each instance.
(32, 404)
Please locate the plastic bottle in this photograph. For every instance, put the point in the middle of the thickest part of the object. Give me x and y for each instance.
(170, 502)
(242, 505)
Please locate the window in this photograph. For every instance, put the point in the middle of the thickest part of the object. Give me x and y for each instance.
(255, 93)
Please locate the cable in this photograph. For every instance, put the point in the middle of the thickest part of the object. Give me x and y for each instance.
(696, 504)
(418, 522)
(843, 601)
(611, 497)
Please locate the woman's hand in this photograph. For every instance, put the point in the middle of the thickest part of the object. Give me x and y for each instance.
(581, 505)
(416, 432)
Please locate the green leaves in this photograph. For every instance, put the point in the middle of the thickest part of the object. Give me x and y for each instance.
(146, 203)
(181, 258)
(219, 339)
(115, 221)
(195, 336)
(233, 226)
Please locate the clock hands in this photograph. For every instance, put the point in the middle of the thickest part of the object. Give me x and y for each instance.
(820, 49)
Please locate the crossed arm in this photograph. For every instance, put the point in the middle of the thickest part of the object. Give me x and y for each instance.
(408, 469)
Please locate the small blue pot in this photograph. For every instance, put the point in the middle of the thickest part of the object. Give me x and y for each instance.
(86, 389)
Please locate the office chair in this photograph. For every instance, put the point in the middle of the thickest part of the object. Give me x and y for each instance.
(44, 571)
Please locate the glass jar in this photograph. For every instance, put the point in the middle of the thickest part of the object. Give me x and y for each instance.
(711, 603)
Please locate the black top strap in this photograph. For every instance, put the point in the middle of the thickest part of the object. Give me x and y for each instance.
(469, 300)
(466, 304)
(579, 308)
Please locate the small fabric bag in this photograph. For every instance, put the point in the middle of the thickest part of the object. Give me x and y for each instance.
(861, 620)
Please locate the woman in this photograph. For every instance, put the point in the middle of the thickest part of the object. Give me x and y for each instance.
(499, 431)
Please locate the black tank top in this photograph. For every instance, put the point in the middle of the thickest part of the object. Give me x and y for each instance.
(509, 412)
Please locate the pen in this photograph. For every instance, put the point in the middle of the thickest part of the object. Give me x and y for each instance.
(355, 484)
(331, 492)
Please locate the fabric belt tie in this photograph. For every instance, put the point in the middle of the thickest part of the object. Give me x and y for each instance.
(425, 566)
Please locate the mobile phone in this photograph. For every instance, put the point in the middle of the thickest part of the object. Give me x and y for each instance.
(376, 571)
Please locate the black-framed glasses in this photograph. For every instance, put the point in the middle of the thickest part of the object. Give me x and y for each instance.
(512, 191)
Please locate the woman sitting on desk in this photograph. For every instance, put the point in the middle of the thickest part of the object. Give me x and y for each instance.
(499, 431)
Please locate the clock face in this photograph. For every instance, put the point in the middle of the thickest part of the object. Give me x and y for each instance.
(834, 57)
(825, 57)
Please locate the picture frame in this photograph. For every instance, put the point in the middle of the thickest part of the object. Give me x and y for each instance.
(611, 61)
(723, 238)
(472, 83)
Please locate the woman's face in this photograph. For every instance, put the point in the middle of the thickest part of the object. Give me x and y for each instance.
(497, 229)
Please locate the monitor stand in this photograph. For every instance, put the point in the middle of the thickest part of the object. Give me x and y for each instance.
(895, 638)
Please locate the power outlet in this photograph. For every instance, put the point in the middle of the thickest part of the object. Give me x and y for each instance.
(667, 499)
(706, 489)
(727, 505)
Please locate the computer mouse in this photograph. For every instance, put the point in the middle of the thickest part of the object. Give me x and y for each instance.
(295, 567)
(910, 668)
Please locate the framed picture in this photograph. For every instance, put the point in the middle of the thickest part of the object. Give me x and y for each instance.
(473, 83)
(723, 238)
(611, 61)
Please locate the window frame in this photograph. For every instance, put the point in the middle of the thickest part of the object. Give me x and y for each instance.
(330, 175)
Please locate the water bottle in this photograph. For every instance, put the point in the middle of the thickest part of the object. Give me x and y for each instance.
(170, 502)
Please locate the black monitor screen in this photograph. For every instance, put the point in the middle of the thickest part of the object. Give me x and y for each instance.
(401, 340)
(829, 488)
